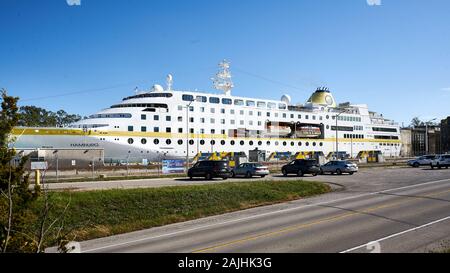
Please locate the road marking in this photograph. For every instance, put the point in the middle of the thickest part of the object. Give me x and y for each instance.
(264, 214)
(328, 219)
(397, 234)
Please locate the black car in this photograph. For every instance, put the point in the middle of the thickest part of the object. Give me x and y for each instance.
(301, 167)
(210, 169)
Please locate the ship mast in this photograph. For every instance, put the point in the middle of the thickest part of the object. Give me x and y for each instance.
(222, 80)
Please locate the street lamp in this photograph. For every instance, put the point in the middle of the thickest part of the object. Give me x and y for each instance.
(336, 117)
(426, 135)
(187, 133)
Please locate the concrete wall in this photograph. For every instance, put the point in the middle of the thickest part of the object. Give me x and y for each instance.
(406, 137)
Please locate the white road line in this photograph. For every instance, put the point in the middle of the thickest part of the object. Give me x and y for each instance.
(396, 234)
(263, 214)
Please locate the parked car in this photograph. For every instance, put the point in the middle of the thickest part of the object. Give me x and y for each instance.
(421, 161)
(210, 169)
(441, 161)
(339, 167)
(249, 170)
(301, 167)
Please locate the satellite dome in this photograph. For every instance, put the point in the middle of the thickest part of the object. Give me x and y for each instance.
(286, 98)
(157, 88)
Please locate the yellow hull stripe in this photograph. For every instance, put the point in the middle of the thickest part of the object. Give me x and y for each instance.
(73, 132)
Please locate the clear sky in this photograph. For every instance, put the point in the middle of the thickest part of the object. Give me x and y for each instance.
(395, 56)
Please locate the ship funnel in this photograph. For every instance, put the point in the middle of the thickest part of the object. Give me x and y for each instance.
(322, 96)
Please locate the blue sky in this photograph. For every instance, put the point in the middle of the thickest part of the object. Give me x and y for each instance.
(395, 56)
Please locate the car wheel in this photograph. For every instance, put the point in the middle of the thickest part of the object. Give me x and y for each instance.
(439, 166)
(190, 177)
(208, 176)
(248, 175)
(299, 173)
(351, 173)
(432, 167)
(338, 171)
(416, 165)
(314, 174)
(233, 174)
(262, 176)
(284, 172)
(224, 178)
(321, 172)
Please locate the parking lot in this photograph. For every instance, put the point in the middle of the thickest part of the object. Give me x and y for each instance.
(367, 179)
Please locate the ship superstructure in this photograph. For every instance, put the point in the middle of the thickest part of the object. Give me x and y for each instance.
(161, 123)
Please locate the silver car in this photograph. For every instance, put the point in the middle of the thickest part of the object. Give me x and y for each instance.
(442, 161)
(249, 170)
(421, 161)
(339, 167)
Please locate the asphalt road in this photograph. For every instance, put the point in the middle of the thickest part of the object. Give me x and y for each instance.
(403, 210)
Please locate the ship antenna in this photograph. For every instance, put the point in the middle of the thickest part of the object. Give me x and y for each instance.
(169, 81)
(222, 80)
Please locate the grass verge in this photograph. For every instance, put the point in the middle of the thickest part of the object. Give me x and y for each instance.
(97, 214)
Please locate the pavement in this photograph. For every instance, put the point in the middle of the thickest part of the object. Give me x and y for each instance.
(376, 210)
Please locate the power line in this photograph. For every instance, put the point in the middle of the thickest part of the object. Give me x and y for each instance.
(83, 91)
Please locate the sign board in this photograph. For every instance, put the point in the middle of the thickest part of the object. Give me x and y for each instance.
(173, 166)
(41, 165)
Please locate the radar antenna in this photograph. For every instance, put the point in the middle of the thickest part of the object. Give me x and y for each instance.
(222, 80)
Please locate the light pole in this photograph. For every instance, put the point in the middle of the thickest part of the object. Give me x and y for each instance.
(426, 134)
(187, 134)
(337, 150)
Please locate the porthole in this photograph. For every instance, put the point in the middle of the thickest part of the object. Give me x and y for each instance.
(284, 143)
(328, 126)
(202, 142)
(222, 142)
(242, 143)
(268, 143)
(232, 142)
(276, 143)
(213, 142)
(307, 143)
(250, 143)
(314, 144)
(168, 141)
(321, 144)
(180, 142)
(130, 141)
(144, 141)
(292, 143)
(299, 143)
(259, 143)
(191, 142)
(156, 141)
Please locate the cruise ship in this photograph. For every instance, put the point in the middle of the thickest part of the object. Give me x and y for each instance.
(162, 123)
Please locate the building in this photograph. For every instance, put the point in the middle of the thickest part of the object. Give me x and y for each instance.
(406, 137)
(445, 135)
(418, 136)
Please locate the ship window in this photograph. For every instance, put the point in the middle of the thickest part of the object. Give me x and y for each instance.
(222, 111)
(130, 141)
(232, 111)
(202, 109)
(191, 142)
(328, 117)
(180, 142)
(250, 113)
(268, 143)
(191, 119)
(300, 143)
(168, 130)
(282, 106)
(202, 120)
(156, 141)
(213, 131)
(155, 117)
(242, 143)
(168, 141)
(191, 108)
(168, 118)
(314, 117)
(202, 142)
(232, 122)
(156, 129)
(143, 117)
(250, 103)
(180, 119)
(241, 112)
(259, 143)
(276, 143)
(191, 130)
(150, 95)
(180, 130)
(307, 143)
(314, 144)
(284, 115)
(261, 104)
(250, 143)
(306, 116)
(214, 100)
(321, 144)
(284, 143)
(213, 121)
(188, 97)
(222, 142)
(213, 142)
(226, 101)
(238, 102)
(130, 128)
(292, 115)
(232, 142)
(143, 129)
(213, 110)
(268, 114)
(259, 113)
(271, 105)
(299, 116)
(292, 143)
(201, 99)
(144, 141)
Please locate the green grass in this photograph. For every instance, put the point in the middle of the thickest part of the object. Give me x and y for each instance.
(96, 214)
(113, 178)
